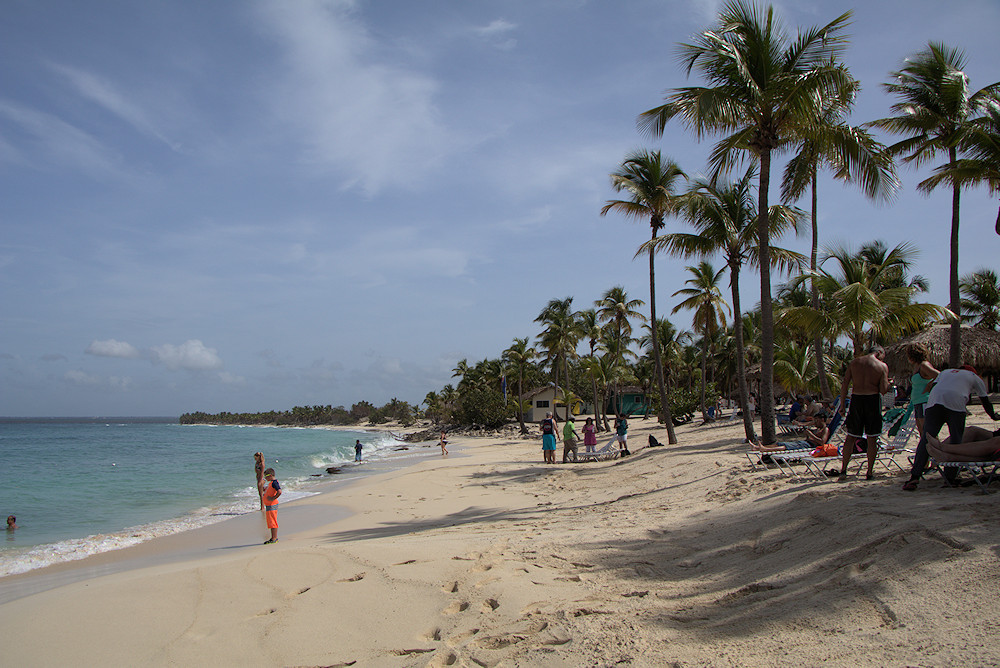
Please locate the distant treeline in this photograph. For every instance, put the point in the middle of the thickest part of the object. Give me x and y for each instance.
(306, 416)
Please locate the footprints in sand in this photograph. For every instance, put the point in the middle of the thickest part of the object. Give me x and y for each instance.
(455, 608)
(477, 628)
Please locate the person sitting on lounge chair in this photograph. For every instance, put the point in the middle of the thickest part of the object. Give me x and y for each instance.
(816, 437)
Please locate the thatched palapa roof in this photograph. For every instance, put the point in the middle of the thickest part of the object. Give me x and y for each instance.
(980, 348)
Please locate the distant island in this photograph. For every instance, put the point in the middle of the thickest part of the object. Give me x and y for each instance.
(310, 416)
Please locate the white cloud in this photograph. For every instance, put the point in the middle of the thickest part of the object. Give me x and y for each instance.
(50, 142)
(112, 348)
(191, 355)
(373, 120)
(105, 94)
(78, 377)
(496, 33)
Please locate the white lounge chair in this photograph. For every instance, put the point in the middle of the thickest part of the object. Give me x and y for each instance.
(609, 451)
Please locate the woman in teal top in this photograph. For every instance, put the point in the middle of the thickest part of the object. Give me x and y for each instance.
(923, 375)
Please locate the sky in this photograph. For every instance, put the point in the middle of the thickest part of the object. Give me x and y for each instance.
(247, 205)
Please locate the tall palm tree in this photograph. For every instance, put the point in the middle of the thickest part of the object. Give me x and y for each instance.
(560, 336)
(982, 162)
(724, 216)
(935, 112)
(650, 181)
(852, 154)
(869, 302)
(617, 311)
(519, 357)
(592, 331)
(764, 91)
(669, 351)
(981, 303)
(705, 299)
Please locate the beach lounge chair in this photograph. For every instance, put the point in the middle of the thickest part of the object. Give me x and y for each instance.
(979, 470)
(803, 447)
(609, 451)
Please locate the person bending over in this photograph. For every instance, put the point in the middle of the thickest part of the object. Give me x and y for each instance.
(949, 394)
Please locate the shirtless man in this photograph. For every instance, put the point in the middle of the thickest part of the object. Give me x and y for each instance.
(868, 377)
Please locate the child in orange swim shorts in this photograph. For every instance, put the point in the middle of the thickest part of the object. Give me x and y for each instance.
(270, 494)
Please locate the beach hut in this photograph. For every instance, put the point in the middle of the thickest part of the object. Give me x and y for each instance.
(980, 348)
(543, 400)
(630, 400)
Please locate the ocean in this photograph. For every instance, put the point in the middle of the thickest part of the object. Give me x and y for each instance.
(87, 486)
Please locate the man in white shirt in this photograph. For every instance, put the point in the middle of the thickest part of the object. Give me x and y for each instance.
(950, 392)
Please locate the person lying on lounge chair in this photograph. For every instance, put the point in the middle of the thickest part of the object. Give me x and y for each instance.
(978, 445)
(815, 437)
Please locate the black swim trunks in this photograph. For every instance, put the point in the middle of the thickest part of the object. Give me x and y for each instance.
(864, 417)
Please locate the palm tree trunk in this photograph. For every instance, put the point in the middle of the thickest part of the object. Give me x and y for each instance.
(734, 283)
(520, 393)
(657, 362)
(955, 343)
(824, 384)
(704, 374)
(597, 406)
(767, 428)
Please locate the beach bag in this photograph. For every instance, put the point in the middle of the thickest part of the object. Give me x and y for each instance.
(653, 442)
(825, 450)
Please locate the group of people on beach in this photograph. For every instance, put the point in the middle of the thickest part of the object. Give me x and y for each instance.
(938, 398)
(570, 437)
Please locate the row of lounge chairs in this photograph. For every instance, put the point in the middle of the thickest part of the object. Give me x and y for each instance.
(983, 473)
(815, 467)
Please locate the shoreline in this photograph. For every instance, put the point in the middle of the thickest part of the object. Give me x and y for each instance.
(158, 548)
(678, 554)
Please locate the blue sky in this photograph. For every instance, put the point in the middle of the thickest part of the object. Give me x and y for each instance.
(247, 205)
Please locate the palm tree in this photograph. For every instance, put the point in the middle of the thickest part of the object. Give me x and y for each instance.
(935, 113)
(461, 368)
(981, 303)
(650, 181)
(705, 299)
(724, 217)
(591, 330)
(860, 293)
(666, 335)
(616, 310)
(982, 162)
(519, 357)
(765, 91)
(793, 367)
(560, 336)
(852, 154)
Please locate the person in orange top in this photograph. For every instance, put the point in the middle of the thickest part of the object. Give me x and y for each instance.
(270, 493)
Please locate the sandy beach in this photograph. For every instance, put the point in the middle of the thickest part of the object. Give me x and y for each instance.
(680, 555)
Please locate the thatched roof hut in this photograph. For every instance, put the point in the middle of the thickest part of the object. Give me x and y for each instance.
(980, 348)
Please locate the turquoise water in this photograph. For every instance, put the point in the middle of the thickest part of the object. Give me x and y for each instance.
(78, 488)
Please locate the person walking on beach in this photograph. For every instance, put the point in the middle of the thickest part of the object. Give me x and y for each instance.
(949, 393)
(443, 443)
(621, 430)
(589, 436)
(357, 450)
(270, 490)
(570, 437)
(868, 377)
(548, 427)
